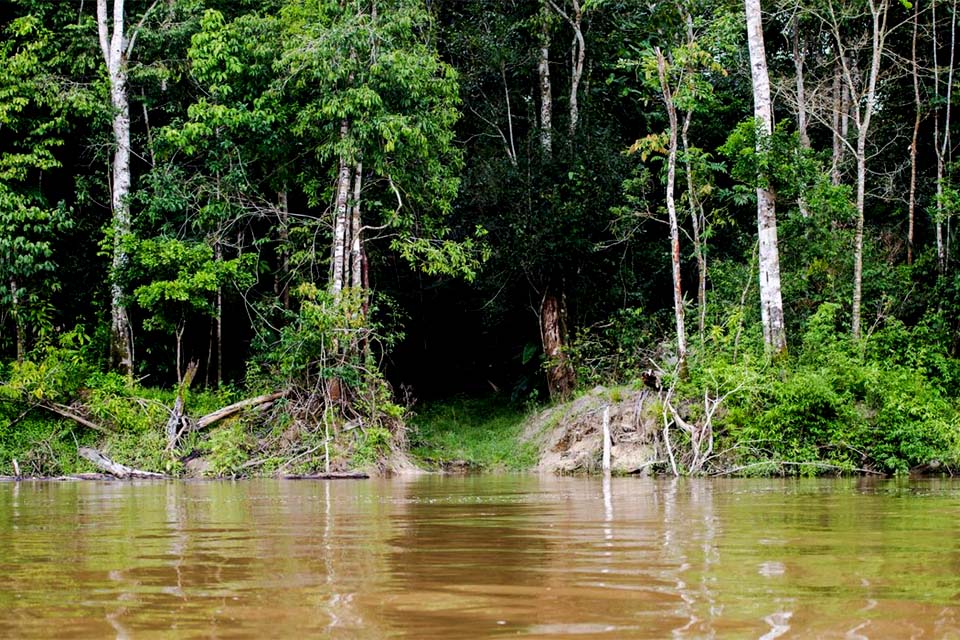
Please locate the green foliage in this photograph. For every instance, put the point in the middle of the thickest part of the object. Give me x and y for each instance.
(372, 446)
(32, 119)
(184, 275)
(837, 406)
(229, 447)
(54, 372)
(482, 433)
(615, 351)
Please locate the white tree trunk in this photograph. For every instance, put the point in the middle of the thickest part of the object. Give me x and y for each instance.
(799, 57)
(878, 14)
(112, 45)
(678, 310)
(340, 222)
(771, 303)
(546, 89)
(942, 140)
(356, 240)
(699, 222)
(578, 54)
(917, 106)
(17, 320)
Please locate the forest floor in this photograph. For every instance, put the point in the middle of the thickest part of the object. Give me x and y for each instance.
(490, 434)
(463, 434)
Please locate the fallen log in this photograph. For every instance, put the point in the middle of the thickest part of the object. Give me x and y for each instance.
(333, 475)
(237, 407)
(114, 468)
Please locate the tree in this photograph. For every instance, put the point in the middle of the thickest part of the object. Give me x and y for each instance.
(771, 303)
(378, 104)
(32, 120)
(116, 48)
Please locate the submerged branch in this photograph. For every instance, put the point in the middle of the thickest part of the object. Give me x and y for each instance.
(114, 468)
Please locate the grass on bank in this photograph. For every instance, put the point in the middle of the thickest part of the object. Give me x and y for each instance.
(481, 433)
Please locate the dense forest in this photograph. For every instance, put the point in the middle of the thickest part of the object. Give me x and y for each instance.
(266, 233)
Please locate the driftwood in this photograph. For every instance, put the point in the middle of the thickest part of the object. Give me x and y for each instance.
(237, 407)
(115, 468)
(178, 422)
(334, 475)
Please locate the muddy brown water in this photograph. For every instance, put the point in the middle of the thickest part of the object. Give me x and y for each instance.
(480, 557)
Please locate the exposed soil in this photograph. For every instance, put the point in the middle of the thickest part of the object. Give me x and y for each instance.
(570, 435)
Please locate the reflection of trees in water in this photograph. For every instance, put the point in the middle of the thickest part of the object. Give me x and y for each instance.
(690, 543)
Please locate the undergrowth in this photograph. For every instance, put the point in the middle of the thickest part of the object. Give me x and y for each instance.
(477, 432)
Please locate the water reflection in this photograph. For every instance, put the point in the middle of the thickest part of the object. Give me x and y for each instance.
(436, 557)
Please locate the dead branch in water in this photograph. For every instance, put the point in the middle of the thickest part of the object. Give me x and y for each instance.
(114, 468)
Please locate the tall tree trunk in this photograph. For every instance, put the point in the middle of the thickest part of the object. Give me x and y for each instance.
(17, 319)
(561, 377)
(699, 222)
(799, 57)
(917, 106)
(283, 288)
(546, 89)
(218, 256)
(841, 122)
(942, 142)
(510, 144)
(947, 149)
(340, 223)
(771, 303)
(878, 15)
(356, 239)
(671, 108)
(112, 46)
(578, 55)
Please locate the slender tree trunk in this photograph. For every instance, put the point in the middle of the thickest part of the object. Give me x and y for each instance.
(942, 141)
(511, 147)
(546, 89)
(678, 310)
(356, 243)
(917, 106)
(947, 149)
(799, 57)
(284, 249)
(561, 377)
(17, 321)
(112, 46)
(218, 256)
(878, 13)
(341, 221)
(697, 218)
(771, 303)
(837, 109)
(578, 55)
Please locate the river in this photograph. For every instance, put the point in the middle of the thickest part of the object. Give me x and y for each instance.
(480, 557)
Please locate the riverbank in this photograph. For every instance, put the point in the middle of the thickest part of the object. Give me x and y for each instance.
(471, 434)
